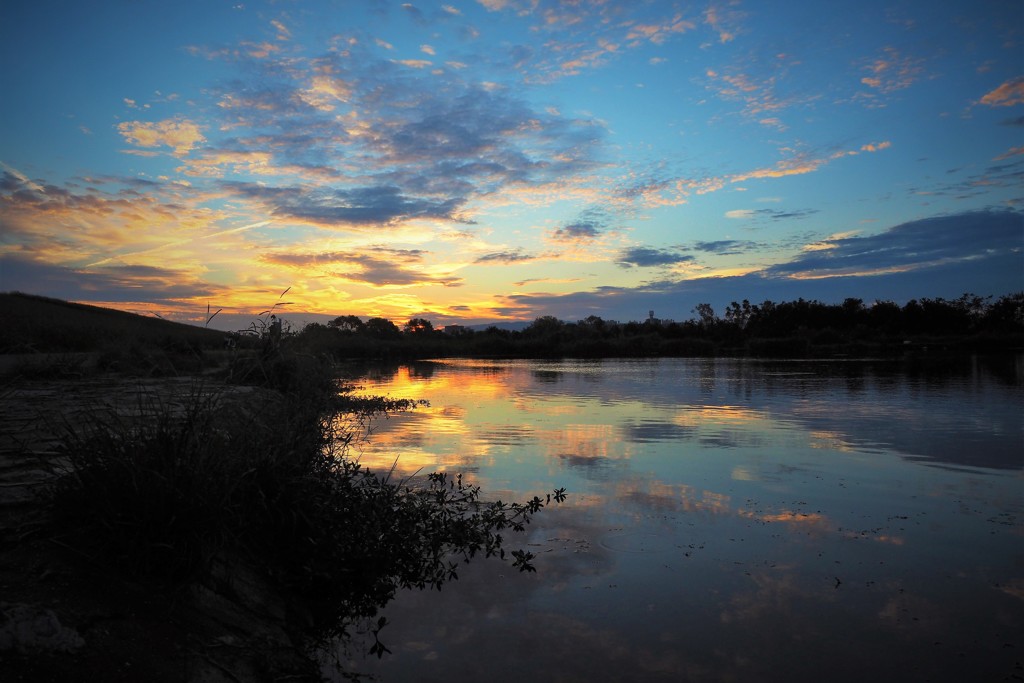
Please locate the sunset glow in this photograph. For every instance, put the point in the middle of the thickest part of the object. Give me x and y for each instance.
(483, 161)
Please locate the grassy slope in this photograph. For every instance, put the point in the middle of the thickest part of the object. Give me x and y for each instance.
(38, 324)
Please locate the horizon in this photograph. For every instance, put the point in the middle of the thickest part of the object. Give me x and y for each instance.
(496, 161)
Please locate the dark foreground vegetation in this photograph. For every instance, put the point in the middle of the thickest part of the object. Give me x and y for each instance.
(250, 477)
(794, 329)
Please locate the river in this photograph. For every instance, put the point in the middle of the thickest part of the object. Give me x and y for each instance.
(727, 520)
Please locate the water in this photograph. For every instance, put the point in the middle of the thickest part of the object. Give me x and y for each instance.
(727, 520)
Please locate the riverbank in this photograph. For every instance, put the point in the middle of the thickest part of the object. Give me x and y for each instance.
(213, 528)
(71, 615)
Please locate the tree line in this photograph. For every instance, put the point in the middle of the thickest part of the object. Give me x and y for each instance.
(798, 328)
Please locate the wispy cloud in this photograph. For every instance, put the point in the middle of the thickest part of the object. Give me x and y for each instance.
(892, 71)
(647, 257)
(723, 20)
(589, 226)
(375, 206)
(658, 33)
(148, 285)
(1006, 95)
(1012, 152)
(181, 135)
(282, 31)
(773, 214)
(759, 95)
(506, 257)
(376, 266)
(802, 163)
(910, 246)
(927, 257)
(725, 247)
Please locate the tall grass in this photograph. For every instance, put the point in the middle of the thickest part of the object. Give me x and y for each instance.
(262, 478)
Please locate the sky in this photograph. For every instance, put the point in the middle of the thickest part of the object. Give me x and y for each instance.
(478, 161)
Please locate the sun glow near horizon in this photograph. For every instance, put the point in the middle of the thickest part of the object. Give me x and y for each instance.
(496, 162)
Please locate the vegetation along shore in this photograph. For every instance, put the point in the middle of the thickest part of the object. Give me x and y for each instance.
(185, 515)
(179, 503)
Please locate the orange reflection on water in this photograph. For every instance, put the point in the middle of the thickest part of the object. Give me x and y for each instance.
(694, 500)
(406, 382)
(581, 441)
(831, 441)
(813, 520)
(701, 415)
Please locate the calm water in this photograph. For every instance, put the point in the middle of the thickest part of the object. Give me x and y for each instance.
(727, 520)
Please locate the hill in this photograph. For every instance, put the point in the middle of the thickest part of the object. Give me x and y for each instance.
(37, 324)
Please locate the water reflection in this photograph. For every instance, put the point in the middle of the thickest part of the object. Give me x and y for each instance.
(728, 520)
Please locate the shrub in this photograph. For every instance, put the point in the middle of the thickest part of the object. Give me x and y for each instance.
(262, 477)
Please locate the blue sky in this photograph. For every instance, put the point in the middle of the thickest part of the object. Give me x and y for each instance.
(496, 160)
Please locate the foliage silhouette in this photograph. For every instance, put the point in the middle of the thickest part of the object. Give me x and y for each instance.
(800, 328)
(262, 478)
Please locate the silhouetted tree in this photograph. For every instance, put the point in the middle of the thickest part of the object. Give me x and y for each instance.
(347, 323)
(382, 328)
(545, 326)
(706, 314)
(738, 314)
(419, 326)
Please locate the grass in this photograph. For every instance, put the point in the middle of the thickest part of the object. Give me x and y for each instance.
(261, 479)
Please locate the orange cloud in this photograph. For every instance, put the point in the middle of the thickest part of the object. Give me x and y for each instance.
(178, 134)
(282, 31)
(722, 22)
(1006, 95)
(802, 164)
(1012, 152)
(892, 71)
(414, 63)
(659, 33)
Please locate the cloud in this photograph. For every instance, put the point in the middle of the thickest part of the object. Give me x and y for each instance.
(282, 31)
(911, 246)
(588, 227)
(414, 63)
(659, 33)
(1006, 95)
(1012, 152)
(892, 71)
(377, 266)
(362, 206)
(180, 135)
(773, 214)
(506, 257)
(414, 12)
(723, 21)
(113, 284)
(800, 164)
(725, 247)
(580, 231)
(1009, 174)
(934, 257)
(757, 95)
(438, 136)
(647, 257)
